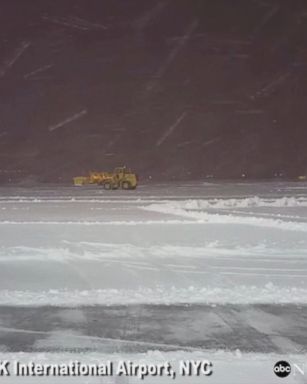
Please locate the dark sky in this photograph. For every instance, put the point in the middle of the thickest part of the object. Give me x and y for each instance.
(177, 89)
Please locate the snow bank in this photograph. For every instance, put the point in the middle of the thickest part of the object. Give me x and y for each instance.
(240, 294)
(245, 203)
(195, 209)
(96, 251)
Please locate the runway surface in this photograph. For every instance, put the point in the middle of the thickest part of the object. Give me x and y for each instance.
(176, 268)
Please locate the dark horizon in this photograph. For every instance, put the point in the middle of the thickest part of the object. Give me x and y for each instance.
(174, 89)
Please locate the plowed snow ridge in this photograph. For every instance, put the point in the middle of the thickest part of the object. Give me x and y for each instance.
(240, 294)
(195, 209)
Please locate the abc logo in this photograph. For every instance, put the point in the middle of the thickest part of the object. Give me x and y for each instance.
(282, 369)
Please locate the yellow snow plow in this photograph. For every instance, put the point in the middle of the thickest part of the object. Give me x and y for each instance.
(121, 177)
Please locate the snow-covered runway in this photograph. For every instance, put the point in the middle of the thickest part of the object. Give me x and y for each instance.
(156, 246)
(190, 246)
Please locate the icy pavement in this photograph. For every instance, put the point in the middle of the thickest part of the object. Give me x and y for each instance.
(142, 328)
(191, 267)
